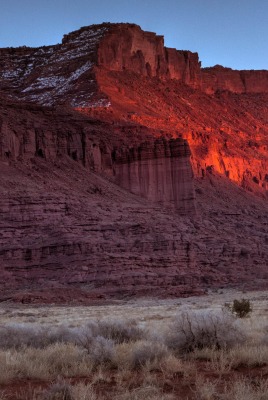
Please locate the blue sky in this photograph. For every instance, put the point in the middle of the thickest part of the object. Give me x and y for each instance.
(232, 33)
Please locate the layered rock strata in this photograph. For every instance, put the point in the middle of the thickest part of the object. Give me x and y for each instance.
(66, 73)
(159, 171)
(219, 78)
(63, 226)
(64, 223)
(127, 47)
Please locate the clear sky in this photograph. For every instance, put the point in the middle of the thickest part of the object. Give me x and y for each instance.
(233, 33)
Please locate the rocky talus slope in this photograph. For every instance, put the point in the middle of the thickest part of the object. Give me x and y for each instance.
(99, 140)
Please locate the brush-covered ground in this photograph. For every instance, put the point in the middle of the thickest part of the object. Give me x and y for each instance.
(193, 348)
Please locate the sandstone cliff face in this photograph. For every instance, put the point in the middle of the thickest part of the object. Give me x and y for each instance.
(219, 78)
(160, 171)
(85, 203)
(64, 224)
(66, 73)
(127, 47)
(35, 138)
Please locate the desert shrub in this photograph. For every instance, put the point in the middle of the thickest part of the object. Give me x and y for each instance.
(101, 351)
(7, 370)
(171, 365)
(146, 352)
(99, 339)
(198, 330)
(205, 389)
(117, 330)
(120, 331)
(138, 354)
(241, 308)
(17, 336)
(241, 389)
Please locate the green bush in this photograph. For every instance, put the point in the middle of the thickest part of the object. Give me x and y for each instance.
(241, 308)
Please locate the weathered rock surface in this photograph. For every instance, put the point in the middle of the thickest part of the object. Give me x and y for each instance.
(219, 78)
(85, 205)
(127, 47)
(66, 73)
(64, 225)
(130, 74)
(159, 171)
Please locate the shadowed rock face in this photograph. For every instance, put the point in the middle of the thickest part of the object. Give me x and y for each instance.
(160, 171)
(64, 224)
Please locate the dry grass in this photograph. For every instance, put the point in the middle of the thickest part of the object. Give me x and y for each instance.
(153, 358)
(143, 392)
(223, 361)
(45, 364)
(240, 389)
(82, 391)
(244, 390)
(144, 352)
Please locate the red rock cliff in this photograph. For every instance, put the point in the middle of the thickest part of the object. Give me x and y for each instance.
(159, 171)
(219, 78)
(66, 73)
(127, 47)
(64, 221)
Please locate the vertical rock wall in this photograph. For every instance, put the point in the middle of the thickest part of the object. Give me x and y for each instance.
(127, 47)
(160, 171)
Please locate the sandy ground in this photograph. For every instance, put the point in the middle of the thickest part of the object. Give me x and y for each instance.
(147, 312)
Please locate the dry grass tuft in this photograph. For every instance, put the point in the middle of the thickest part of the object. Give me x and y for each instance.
(82, 391)
(137, 354)
(144, 392)
(250, 356)
(45, 364)
(58, 391)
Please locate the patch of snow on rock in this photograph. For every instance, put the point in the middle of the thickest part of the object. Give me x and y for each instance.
(54, 85)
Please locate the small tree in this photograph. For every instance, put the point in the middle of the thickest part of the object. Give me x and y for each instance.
(241, 308)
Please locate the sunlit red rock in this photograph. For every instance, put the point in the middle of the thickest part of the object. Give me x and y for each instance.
(86, 206)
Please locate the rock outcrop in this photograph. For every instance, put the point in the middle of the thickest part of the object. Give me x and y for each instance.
(96, 186)
(65, 224)
(160, 171)
(65, 74)
(219, 78)
(127, 47)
